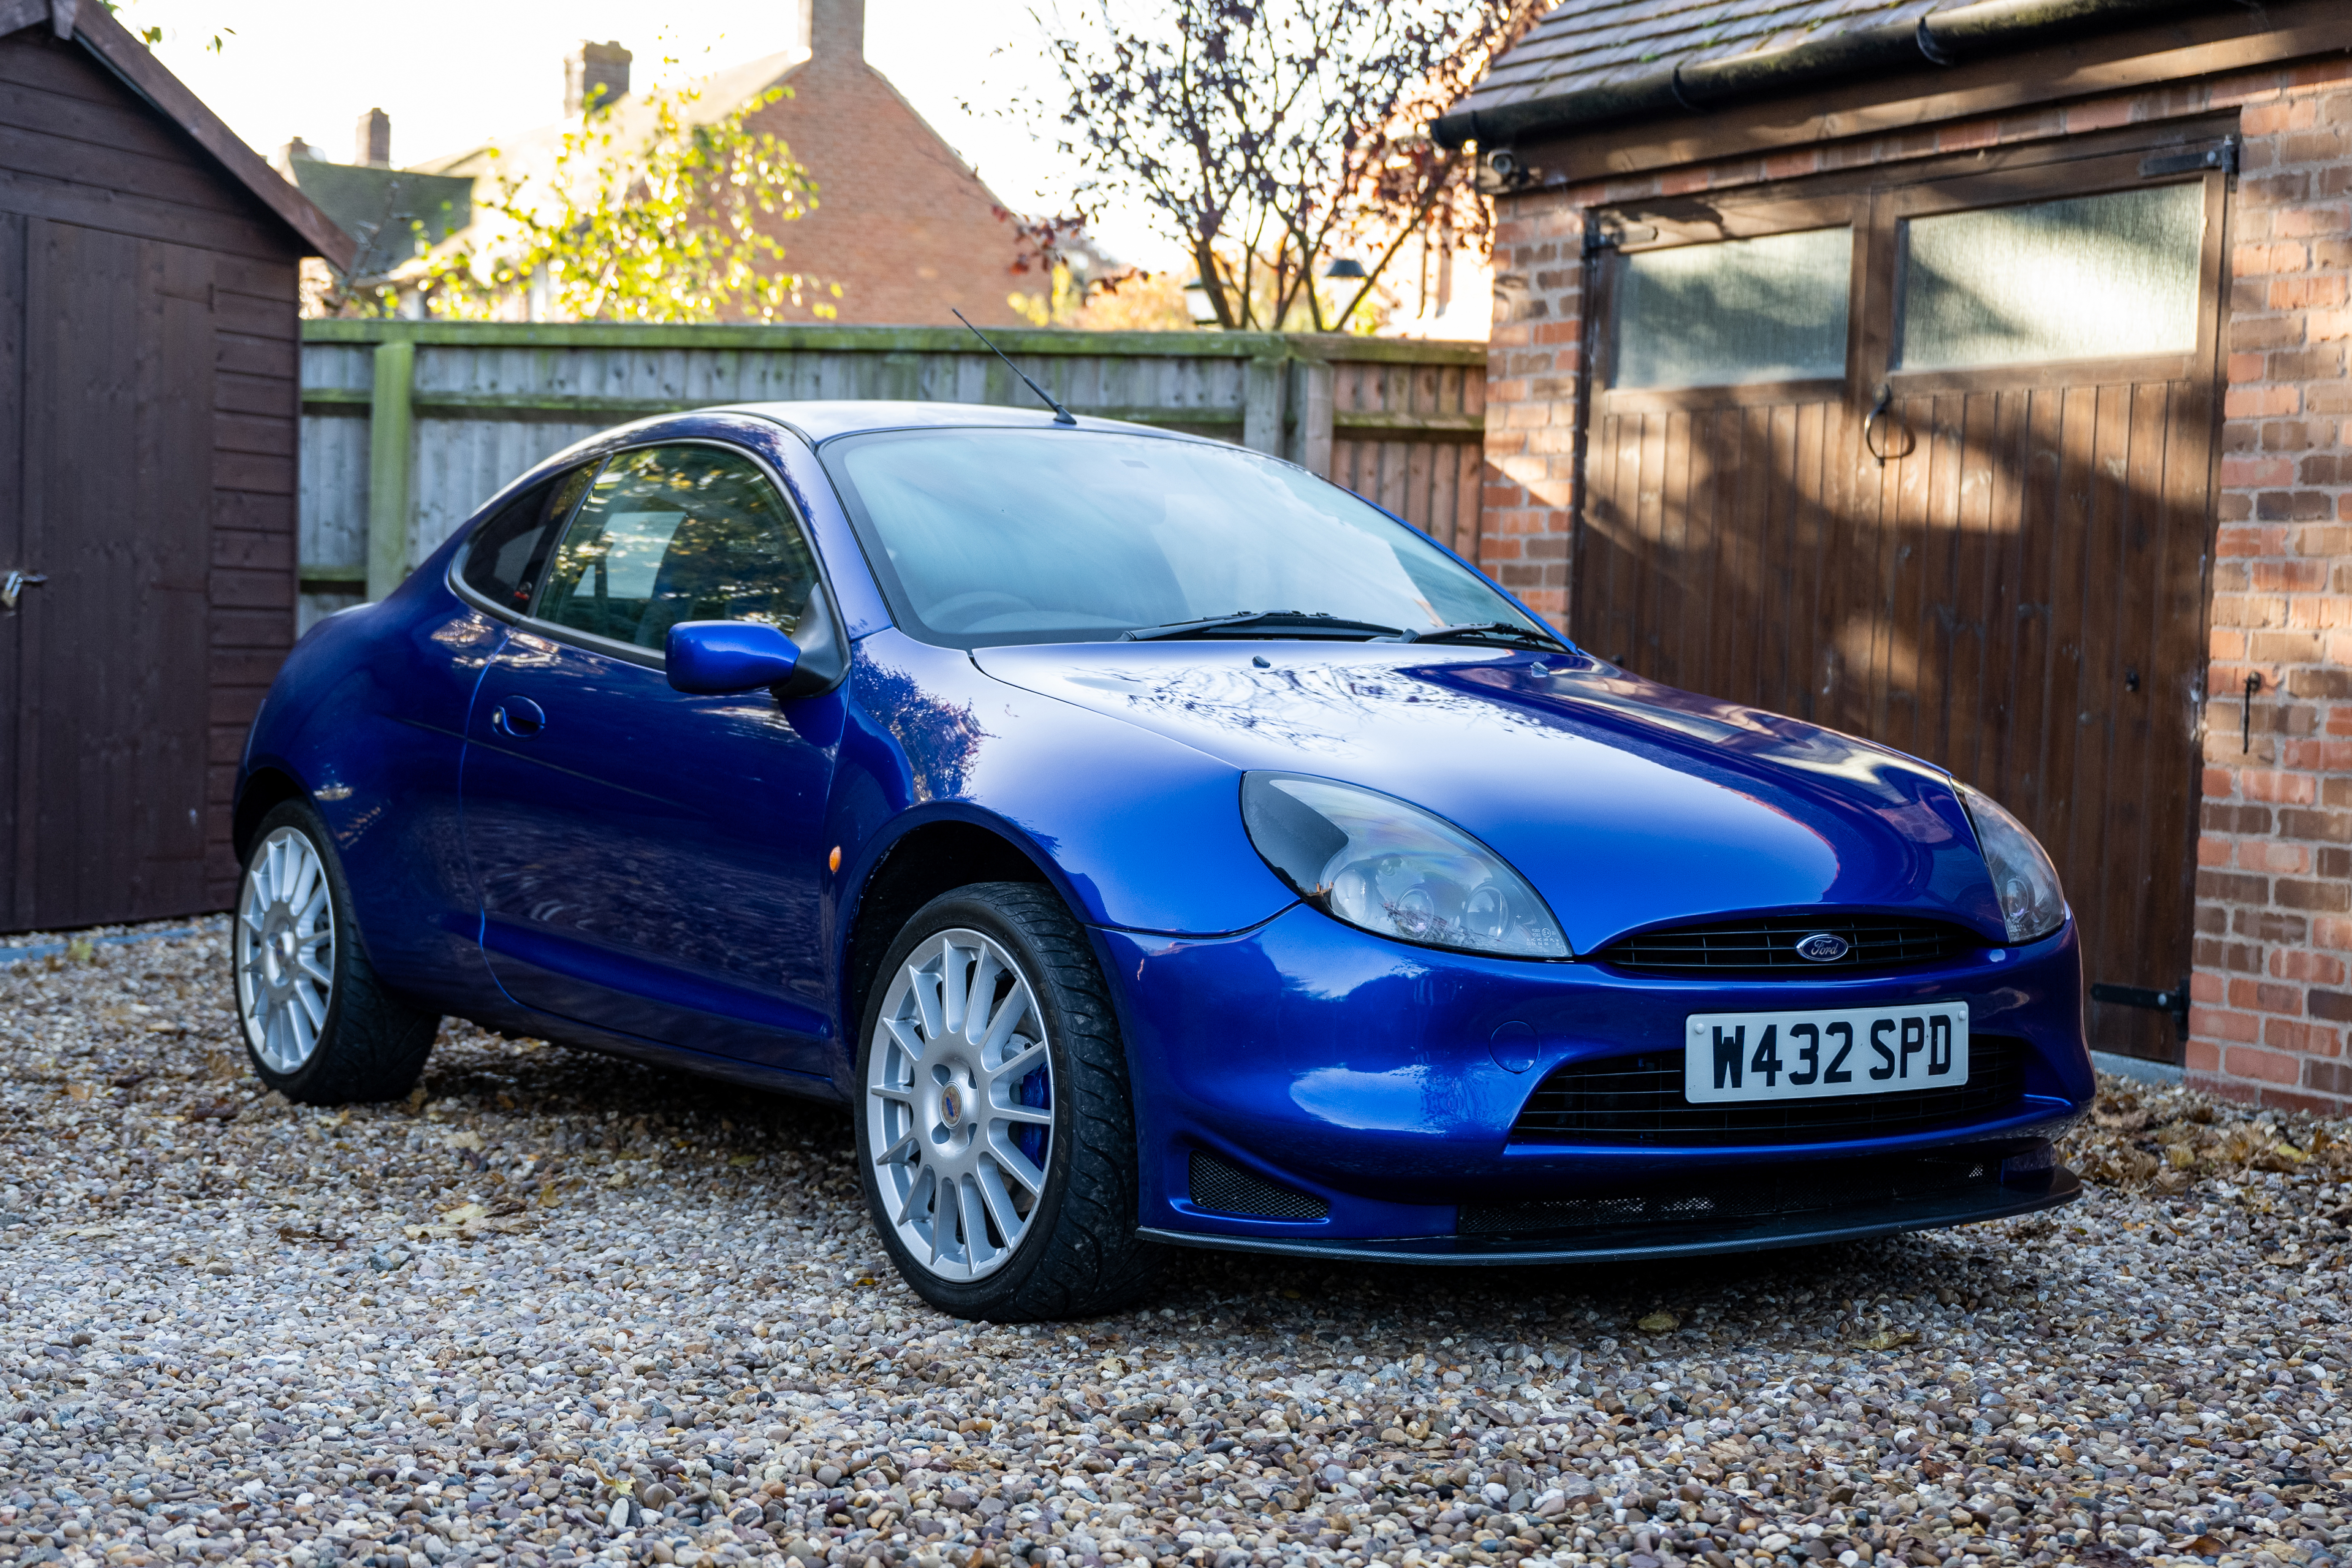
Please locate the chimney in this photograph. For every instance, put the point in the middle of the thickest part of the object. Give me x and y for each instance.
(372, 141)
(297, 148)
(592, 66)
(835, 29)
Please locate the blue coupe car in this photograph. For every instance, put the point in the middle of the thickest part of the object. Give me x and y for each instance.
(1153, 845)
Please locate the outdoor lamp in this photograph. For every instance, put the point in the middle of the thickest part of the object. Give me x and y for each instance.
(1346, 267)
(1196, 300)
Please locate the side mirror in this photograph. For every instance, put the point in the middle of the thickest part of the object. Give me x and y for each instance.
(721, 658)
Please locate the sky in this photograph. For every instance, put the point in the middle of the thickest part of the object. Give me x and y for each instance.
(454, 77)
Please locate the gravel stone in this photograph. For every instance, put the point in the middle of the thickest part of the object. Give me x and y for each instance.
(558, 1309)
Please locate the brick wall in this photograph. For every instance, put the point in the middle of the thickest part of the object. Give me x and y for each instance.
(2273, 1007)
(2272, 999)
(901, 223)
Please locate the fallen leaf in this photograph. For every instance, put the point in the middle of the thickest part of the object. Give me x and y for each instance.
(1659, 1321)
(1887, 1339)
(464, 1212)
(740, 1160)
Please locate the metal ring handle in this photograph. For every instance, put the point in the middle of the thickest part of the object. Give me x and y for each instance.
(1871, 422)
(1877, 411)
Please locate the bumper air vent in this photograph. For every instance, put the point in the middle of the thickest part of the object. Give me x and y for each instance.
(1639, 1099)
(1223, 1188)
(1753, 1192)
(1768, 945)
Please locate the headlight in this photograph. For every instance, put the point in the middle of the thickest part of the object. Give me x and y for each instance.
(2033, 904)
(1393, 869)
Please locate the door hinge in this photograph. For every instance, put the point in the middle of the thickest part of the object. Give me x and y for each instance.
(2221, 155)
(2174, 1002)
(13, 586)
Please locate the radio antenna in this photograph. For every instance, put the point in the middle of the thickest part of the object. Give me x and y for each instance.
(1061, 415)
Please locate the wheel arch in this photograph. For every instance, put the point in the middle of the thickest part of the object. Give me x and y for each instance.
(936, 857)
(265, 789)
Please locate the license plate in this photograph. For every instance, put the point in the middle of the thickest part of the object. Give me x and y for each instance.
(1823, 1054)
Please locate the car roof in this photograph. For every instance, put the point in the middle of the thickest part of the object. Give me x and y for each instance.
(823, 419)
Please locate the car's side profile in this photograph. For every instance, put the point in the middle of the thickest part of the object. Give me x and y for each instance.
(1153, 845)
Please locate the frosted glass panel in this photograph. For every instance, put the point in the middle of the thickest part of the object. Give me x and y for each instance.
(1770, 309)
(2089, 277)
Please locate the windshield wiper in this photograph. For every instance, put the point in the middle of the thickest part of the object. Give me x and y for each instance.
(1313, 623)
(1497, 631)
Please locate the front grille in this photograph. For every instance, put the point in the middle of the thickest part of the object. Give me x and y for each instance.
(1639, 1099)
(1753, 1192)
(1223, 1188)
(1768, 944)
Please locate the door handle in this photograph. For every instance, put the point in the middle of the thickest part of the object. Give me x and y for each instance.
(14, 584)
(517, 716)
(1870, 424)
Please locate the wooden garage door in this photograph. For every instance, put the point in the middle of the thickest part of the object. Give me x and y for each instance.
(106, 438)
(1929, 463)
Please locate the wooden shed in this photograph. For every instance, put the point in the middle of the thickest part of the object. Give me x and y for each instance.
(149, 409)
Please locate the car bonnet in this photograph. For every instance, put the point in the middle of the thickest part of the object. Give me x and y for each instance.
(1628, 804)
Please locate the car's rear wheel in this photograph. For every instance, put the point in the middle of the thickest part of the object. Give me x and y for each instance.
(321, 1026)
(996, 1133)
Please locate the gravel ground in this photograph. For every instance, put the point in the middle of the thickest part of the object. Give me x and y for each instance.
(558, 1308)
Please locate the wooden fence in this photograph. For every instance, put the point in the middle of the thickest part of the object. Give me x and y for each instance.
(409, 426)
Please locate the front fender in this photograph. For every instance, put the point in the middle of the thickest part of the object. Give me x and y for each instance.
(1140, 832)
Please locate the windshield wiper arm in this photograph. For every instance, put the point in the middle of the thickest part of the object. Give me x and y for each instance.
(1506, 631)
(1309, 621)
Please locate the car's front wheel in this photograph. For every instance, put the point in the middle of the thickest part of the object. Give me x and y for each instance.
(321, 1026)
(996, 1133)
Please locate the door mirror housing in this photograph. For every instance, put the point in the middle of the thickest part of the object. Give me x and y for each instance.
(723, 658)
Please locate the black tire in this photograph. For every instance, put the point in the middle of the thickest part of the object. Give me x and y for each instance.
(372, 1045)
(1079, 1254)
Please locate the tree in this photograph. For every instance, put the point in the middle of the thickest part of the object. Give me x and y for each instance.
(649, 210)
(1268, 133)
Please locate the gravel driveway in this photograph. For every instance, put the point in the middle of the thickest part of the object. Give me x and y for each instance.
(560, 1308)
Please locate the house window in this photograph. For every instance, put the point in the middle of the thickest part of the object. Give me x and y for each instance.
(2089, 277)
(1736, 311)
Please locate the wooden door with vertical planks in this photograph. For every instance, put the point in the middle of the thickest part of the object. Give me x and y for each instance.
(1999, 565)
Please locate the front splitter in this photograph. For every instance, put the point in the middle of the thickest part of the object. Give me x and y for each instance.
(1621, 1243)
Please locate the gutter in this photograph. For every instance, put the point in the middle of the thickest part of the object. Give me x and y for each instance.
(1941, 38)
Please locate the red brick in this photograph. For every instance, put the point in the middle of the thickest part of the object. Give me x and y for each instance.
(2262, 1066)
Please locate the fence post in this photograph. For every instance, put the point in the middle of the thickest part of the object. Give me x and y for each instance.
(1311, 392)
(1264, 380)
(391, 421)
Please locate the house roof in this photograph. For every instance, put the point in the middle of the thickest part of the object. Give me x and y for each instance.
(1588, 62)
(380, 208)
(89, 23)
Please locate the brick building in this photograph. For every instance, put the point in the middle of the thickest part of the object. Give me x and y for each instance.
(901, 223)
(1975, 380)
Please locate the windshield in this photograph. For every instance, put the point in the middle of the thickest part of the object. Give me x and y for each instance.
(989, 537)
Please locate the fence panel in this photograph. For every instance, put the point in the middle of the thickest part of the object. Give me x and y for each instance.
(1400, 422)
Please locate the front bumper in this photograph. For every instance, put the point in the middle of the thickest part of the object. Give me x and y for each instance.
(1625, 1243)
(1369, 1076)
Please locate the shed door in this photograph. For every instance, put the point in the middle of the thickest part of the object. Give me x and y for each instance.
(1930, 464)
(105, 398)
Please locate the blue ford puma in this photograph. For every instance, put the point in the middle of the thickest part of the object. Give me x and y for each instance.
(1153, 845)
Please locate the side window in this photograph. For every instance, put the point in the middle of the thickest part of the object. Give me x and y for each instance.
(506, 553)
(677, 533)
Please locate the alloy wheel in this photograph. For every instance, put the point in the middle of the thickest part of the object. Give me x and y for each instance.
(285, 950)
(958, 1105)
